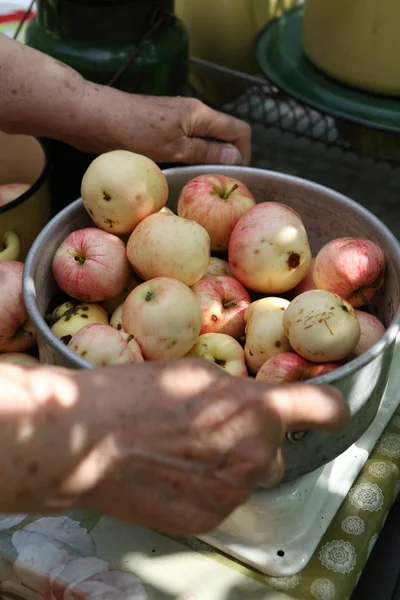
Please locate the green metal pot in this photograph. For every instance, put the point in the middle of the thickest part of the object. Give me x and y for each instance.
(97, 38)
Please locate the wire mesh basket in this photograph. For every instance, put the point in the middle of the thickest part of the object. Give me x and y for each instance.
(259, 102)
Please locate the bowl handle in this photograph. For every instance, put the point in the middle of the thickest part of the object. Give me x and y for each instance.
(11, 246)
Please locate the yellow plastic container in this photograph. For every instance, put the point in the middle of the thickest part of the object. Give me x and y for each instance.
(356, 42)
(223, 31)
(23, 160)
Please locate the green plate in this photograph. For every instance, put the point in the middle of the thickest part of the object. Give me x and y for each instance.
(279, 52)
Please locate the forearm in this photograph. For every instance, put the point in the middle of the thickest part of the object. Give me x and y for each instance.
(40, 96)
(43, 97)
(54, 438)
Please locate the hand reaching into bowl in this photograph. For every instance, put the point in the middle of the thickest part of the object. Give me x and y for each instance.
(42, 97)
(173, 445)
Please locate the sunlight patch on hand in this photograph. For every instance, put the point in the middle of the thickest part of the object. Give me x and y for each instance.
(178, 380)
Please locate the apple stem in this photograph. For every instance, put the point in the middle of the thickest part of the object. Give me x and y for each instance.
(230, 304)
(229, 192)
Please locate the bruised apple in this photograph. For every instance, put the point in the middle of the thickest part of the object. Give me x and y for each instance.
(121, 188)
(103, 345)
(269, 250)
(264, 331)
(321, 326)
(223, 301)
(222, 350)
(164, 316)
(68, 318)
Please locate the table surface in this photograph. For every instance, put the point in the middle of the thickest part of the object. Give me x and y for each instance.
(96, 555)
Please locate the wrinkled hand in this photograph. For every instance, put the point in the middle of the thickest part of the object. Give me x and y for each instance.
(43, 97)
(188, 444)
(181, 130)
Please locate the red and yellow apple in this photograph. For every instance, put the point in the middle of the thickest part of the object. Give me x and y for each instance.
(17, 333)
(223, 301)
(269, 250)
(321, 326)
(164, 316)
(121, 188)
(351, 267)
(103, 345)
(289, 367)
(91, 265)
(169, 246)
(216, 202)
(264, 331)
(222, 350)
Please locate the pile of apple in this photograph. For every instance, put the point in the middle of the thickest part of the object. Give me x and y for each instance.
(141, 284)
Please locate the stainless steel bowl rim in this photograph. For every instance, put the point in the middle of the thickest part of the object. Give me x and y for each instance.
(330, 378)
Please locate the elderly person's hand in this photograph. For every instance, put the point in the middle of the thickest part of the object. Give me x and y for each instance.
(42, 97)
(181, 130)
(173, 445)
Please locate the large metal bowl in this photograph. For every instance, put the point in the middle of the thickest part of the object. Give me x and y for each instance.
(326, 215)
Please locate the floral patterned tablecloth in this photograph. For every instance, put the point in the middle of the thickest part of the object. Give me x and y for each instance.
(87, 555)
